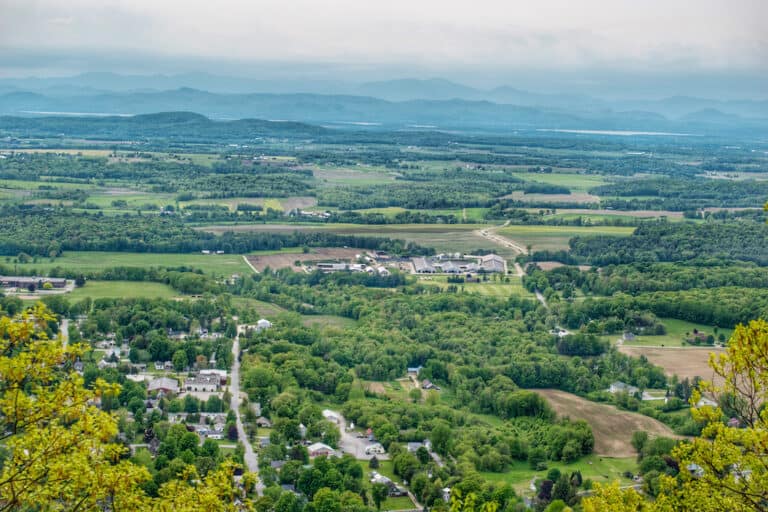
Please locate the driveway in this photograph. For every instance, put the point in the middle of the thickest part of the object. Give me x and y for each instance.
(353, 445)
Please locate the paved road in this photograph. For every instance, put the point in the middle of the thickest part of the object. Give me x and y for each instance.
(250, 458)
(64, 332)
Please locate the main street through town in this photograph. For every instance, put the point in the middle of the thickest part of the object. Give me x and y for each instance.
(250, 458)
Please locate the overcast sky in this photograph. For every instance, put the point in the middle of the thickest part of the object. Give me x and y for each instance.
(434, 36)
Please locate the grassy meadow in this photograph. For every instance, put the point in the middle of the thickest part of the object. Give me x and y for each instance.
(122, 289)
(220, 265)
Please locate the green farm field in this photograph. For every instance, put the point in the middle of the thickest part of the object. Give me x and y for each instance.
(676, 332)
(330, 176)
(263, 309)
(122, 289)
(575, 181)
(222, 265)
(556, 237)
(489, 288)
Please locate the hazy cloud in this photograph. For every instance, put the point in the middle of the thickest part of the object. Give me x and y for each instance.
(631, 35)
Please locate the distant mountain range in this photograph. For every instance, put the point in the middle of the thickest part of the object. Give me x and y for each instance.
(185, 127)
(398, 104)
(88, 84)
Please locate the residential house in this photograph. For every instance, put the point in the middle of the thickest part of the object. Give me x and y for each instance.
(414, 370)
(319, 449)
(330, 415)
(414, 447)
(263, 422)
(394, 490)
(706, 402)
(621, 387)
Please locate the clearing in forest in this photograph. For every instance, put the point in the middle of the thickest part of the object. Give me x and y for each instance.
(611, 427)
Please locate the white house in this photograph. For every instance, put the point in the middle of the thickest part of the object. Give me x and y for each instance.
(263, 324)
(330, 415)
(704, 401)
(621, 387)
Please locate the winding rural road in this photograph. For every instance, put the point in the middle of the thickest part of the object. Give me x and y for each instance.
(503, 241)
(250, 457)
(491, 235)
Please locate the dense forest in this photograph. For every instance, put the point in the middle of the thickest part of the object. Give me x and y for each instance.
(48, 232)
(709, 242)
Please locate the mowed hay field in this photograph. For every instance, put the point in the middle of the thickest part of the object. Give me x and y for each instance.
(577, 182)
(212, 264)
(493, 288)
(684, 362)
(612, 427)
(573, 197)
(122, 290)
(288, 258)
(555, 238)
